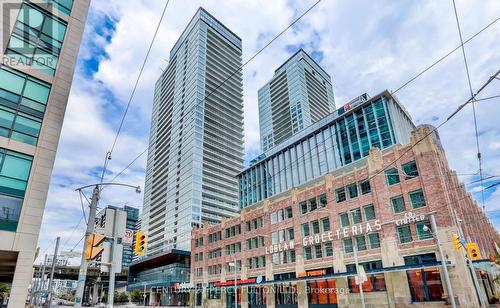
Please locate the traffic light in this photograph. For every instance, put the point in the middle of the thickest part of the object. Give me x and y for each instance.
(473, 251)
(140, 243)
(456, 241)
(92, 246)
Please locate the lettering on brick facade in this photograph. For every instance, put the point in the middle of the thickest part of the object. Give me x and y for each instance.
(410, 218)
(327, 236)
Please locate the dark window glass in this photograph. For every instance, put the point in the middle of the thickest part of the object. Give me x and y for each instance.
(347, 245)
(328, 249)
(398, 204)
(423, 230)
(318, 254)
(303, 207)
(325, 222)
(315, 227)
(312, 204)
(417, 199)
(356, 216)
(353, 190)
(305, 229)
(369, 212)
(308, 253)
(340, 194)
(374, 240)
(344, 219)
(404, 234)
(392, 176)
(322, 200)
(360, 242)
(410, 170)
(372, 127)
(365, 187)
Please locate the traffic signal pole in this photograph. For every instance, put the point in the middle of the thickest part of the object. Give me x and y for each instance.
(479, 291)
(82, 276)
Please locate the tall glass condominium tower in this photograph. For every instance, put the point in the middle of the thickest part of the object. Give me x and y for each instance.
(40, 42)
(196, 139)
(299, 94)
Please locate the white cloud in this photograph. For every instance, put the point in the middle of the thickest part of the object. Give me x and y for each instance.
(368, 46)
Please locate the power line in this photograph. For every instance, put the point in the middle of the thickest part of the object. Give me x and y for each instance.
(399, 88)
(444, 122)
(133, 90)
(487, 98)
(78, 242)
(445, 56)
(72, 232)
(129, 165)
(235, 72)
(473, 103)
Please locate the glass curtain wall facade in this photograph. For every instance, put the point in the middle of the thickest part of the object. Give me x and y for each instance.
(299, 95)
(132, 217)
(340, 139)
(40, 44)
(196, 139)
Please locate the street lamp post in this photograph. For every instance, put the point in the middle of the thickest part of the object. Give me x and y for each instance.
(233, 264)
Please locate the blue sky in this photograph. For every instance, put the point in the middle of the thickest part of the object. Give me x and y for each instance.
(362, 50)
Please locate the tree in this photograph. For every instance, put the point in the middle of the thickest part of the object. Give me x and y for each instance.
(121, 297)
(136, 296)
(4, 290)
(104, 297)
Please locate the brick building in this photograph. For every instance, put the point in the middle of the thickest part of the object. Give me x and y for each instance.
(296, 248)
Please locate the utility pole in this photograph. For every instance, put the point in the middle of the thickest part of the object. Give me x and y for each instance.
(479, 291)
(42, 278)
(443, 262)
(84, 264)
(111, 286)
(54, 261)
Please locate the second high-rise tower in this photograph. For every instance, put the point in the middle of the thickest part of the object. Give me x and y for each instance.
(196, 139)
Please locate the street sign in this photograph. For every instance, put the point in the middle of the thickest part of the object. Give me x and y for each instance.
(129, 235)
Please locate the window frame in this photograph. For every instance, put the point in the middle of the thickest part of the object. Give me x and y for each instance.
(393, 172)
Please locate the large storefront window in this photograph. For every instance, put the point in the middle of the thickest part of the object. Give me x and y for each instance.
(14, 173)
(230, 297)
(321, 293)
(425, 284)
(286, 295)
(213, 291)
(375, 282)
(36, 39)
(257, 297)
